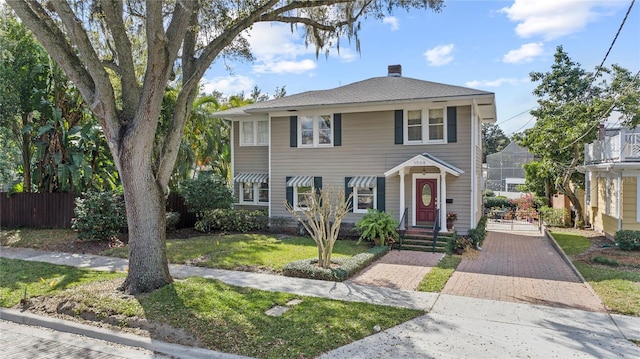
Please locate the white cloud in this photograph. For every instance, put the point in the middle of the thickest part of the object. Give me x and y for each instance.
(440, 55)
(497, 82)
(285, 67)
(552, 19)
(228, 85)
(393, 21)
(525, 53)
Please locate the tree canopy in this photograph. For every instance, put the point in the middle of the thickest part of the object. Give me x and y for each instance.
(572, 103)
(123, 80)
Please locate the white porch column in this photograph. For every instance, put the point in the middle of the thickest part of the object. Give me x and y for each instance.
(401, 212)
(443, 201)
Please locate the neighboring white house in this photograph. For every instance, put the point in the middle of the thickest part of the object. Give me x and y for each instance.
(394, 142)
(612, 181)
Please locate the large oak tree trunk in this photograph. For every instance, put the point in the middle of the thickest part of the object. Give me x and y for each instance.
(145, 204)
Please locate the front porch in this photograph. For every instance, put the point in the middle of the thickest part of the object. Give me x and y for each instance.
(427, 205)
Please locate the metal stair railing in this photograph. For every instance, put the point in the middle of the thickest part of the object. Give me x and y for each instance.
(436, 229)
(402, 227)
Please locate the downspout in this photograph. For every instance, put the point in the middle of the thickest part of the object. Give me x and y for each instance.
(619, 200)
(269, 170)
(474, 180)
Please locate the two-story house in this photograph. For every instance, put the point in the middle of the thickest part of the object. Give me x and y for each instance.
(612, 181)
(394, 143)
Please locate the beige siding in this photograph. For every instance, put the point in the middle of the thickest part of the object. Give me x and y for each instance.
(248, 158)
(368, 149)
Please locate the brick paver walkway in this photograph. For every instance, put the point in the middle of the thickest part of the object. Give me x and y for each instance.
(521, 267)
(398, 269)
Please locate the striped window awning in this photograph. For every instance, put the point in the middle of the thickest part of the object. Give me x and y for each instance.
(363, 181)
(252, 178)
(300, 181)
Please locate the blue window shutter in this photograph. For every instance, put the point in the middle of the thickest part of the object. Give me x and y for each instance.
(289, 192)
(347, 192)
(398, 124)
(380, 197)
(337, 129)
(293, 131)
(452, 124)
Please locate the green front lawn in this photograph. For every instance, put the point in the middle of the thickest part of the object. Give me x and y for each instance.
(239, 251)
(571, 243)
(618, 288)
(219, 316)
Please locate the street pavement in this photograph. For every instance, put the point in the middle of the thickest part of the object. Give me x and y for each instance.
(496, 322)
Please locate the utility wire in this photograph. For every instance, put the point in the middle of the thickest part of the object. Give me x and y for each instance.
(593, 78)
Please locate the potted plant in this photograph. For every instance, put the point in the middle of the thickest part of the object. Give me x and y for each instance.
(377, 226)
(451, 217)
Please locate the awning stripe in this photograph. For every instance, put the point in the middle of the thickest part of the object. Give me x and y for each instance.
(252, 178)
(300, 181)
(363, 181)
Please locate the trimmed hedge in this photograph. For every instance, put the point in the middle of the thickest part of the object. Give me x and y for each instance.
(307, 268)
(232, 220)
(499, 202)
(478, 234)
(628, 240)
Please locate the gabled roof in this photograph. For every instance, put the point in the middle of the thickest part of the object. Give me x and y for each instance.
(372, 91)
(426, 159)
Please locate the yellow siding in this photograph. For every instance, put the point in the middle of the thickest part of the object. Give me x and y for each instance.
(610, 225)
(629, 203)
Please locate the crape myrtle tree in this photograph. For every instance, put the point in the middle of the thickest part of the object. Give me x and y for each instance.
(95, 42)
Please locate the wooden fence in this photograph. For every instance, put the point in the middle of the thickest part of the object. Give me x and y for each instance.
(55, 210)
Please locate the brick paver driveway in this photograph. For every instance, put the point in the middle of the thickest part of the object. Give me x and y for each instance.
(521, 267)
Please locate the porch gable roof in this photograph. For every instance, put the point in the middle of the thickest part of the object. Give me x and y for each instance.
(426, 159)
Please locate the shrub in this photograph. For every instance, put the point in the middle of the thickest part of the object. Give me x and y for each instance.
(499, 202)
(99, 215)
(553, 216)
(232, 220)
(206, 192)
(308, 268)
(478, 234)
(377, 226)
(172, 220)
(628, 240)
(605, 261)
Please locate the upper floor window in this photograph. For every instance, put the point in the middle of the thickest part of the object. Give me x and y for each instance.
(315, 131)
(254, 132)
(425, 125)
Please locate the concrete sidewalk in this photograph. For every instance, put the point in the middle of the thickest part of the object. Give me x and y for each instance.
(455, 326)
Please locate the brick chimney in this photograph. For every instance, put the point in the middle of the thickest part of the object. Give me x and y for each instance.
(395, 70)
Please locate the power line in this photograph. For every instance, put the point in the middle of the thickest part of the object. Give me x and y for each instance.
(614, 39)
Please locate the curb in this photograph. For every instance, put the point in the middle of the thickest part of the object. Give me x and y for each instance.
(122, 338)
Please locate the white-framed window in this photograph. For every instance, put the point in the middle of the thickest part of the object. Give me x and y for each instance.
(254, 132)
(303, 197)
(315, 131)
(254, 193)
(426, 125)
(364, 198)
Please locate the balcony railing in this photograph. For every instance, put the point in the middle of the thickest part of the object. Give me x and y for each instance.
(623, 147)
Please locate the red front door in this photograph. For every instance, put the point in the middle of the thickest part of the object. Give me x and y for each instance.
(426, 201)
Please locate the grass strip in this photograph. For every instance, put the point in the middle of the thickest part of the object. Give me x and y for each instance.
(23, 279)
(435, 280)
(619, 290)
(571, 243)
(219, 316)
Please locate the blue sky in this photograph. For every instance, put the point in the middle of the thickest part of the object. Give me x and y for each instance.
(488, 45)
